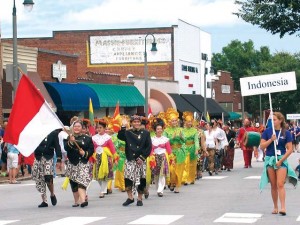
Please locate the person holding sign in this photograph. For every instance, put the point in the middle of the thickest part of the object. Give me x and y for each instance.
(278, 147)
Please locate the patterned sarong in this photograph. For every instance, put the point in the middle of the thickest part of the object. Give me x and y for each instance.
(79, 173)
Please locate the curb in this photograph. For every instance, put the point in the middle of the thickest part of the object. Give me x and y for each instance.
(6, 181)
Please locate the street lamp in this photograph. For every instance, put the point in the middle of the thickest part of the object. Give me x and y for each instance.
(153, 50)
(16, 77)
(204, 57)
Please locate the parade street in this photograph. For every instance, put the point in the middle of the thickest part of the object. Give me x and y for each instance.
(228, 198)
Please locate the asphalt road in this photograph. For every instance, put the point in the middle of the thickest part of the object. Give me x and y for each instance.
(228, 198)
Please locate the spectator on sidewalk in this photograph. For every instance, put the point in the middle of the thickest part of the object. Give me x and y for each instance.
(3, 152)
(12, 163)
(3, 160)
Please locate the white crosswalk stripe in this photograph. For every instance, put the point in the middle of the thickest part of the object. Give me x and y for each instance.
(156, 219)
(75, 221)
(214, 177)
(239, 218)
(4, 222)
(253, 177)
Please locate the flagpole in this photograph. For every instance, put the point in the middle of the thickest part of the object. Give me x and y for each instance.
(273, 128)
(63, 126)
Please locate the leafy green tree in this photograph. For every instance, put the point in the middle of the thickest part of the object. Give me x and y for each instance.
(242, 60)
(275, 16)
(288, 101)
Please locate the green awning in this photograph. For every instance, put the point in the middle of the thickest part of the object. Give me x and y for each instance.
(234, 116)
(110, 94)
(248, 115)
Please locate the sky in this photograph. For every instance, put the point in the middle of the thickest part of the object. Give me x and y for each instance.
(212, 16)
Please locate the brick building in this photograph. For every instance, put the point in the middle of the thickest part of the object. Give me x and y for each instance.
(108, 56)
(223, 92)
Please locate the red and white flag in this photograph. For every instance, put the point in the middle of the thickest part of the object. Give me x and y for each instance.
(31, 118)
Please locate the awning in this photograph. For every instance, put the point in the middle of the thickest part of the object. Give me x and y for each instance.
(110, 94)
(248, 115)
(213, 108)
(181, 104)
(72, 97)
(234, 116)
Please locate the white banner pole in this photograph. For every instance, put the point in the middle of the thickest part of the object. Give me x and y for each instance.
(273, 128)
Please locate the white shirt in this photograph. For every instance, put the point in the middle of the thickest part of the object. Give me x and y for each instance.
(222, 139)
(158, 143)
(63, 135)
(100, 140)
(210, 139)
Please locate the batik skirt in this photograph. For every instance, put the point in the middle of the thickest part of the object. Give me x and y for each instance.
(41, 168)
(134, 171)
(79, 173)
(162, 167)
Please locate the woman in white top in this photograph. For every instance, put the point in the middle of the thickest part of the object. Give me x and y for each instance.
(160, 148)
(211, 146)
(104, 149)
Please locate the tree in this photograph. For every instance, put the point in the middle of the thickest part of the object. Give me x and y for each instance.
(242, 60)
(276, 16)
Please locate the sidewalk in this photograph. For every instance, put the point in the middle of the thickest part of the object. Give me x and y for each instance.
(5, 180)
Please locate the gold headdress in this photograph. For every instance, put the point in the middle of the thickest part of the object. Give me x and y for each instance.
(171, 114)
(188, 116)
(113, 124)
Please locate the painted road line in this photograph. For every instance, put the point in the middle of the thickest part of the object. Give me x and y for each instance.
(252, 177)
(3, 222)
(156, 219)
(214, 177)
(238, 218)
(75, 221)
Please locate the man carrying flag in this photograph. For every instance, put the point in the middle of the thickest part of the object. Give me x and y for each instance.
(29, 129)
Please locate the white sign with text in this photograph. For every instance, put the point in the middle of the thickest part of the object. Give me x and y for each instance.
(292, 116)
(129, 48)
(265, 84)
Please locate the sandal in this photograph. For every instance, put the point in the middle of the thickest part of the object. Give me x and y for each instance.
(283, 213)
(16, 182)
(75, 205)
(275, 211)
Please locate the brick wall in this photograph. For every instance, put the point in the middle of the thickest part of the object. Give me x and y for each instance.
(237, 101)
(47, 59)
(75, 42)
(104, 78)
(232, 97)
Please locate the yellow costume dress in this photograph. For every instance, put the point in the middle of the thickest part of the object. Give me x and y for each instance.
(177, 161)
(119, 168)
(191, 141)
